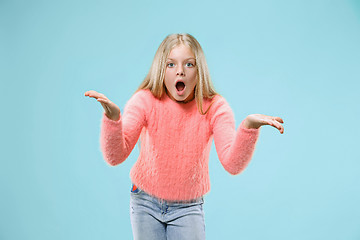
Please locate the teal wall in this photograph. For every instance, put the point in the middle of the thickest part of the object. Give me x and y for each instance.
(299, 60)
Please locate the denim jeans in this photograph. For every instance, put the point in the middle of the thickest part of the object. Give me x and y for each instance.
(152, 218)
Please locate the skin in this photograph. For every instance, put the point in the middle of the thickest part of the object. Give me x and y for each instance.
(181, 65)
(112, 111)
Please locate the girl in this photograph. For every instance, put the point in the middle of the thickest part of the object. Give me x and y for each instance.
(177, 113)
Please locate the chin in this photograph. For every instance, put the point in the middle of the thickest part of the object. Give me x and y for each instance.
(180, 98)
(184, 98)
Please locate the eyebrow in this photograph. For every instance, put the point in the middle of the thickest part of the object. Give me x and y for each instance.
(185, 59)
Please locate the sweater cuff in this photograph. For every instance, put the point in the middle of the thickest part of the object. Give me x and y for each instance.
(111, 122)
(249, 130)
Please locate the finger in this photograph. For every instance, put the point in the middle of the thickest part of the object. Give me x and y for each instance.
(277, 125)
(270, 122)
(103, 100)
(265, 121)
(279, 119)
(102, 95)
(87, 92)
(96, 95)
(274, 122)
(91, 92)
(280, 127)
(106, 103)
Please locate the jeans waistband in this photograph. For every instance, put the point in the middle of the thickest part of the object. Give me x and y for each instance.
(135, 189)
(196, 200)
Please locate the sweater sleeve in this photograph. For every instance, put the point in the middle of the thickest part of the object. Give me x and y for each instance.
(234, 147)
(118, 138)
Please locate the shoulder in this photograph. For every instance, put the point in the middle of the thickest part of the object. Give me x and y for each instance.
(143, 94)
(220, 111)
(140, 102)
(219, 104)
(141, 97)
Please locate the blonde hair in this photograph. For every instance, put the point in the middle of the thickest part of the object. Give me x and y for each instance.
(154, 81)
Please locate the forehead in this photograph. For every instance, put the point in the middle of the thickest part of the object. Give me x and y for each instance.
(181, 51)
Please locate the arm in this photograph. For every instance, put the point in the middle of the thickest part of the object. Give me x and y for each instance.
(119, 134)
(234, 147)
(118, 138)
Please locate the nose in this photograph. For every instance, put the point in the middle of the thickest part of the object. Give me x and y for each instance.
(180, 71)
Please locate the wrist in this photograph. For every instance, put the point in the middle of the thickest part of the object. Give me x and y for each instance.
(250, 124)
(113, 118)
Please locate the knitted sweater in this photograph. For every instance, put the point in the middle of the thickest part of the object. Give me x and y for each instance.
(175, 143)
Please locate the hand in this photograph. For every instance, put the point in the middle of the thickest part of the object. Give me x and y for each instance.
(111, 110)
(258, 120)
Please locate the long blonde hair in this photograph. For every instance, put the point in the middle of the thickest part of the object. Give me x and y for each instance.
(154, 81)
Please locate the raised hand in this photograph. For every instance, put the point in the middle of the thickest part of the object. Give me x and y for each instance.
(258, 120)
(112, 111)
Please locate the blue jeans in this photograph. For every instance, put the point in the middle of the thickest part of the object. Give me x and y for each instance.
(152, 218)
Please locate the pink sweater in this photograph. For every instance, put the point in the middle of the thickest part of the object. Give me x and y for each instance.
(175, 144)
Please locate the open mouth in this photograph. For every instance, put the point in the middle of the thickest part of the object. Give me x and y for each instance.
(180, 86)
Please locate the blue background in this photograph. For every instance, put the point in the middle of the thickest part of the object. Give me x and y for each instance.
(296, 59)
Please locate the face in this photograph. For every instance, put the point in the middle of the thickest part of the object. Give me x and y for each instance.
(180, 74)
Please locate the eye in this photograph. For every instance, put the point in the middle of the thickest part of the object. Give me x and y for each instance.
(189, 64)
(170, 65)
